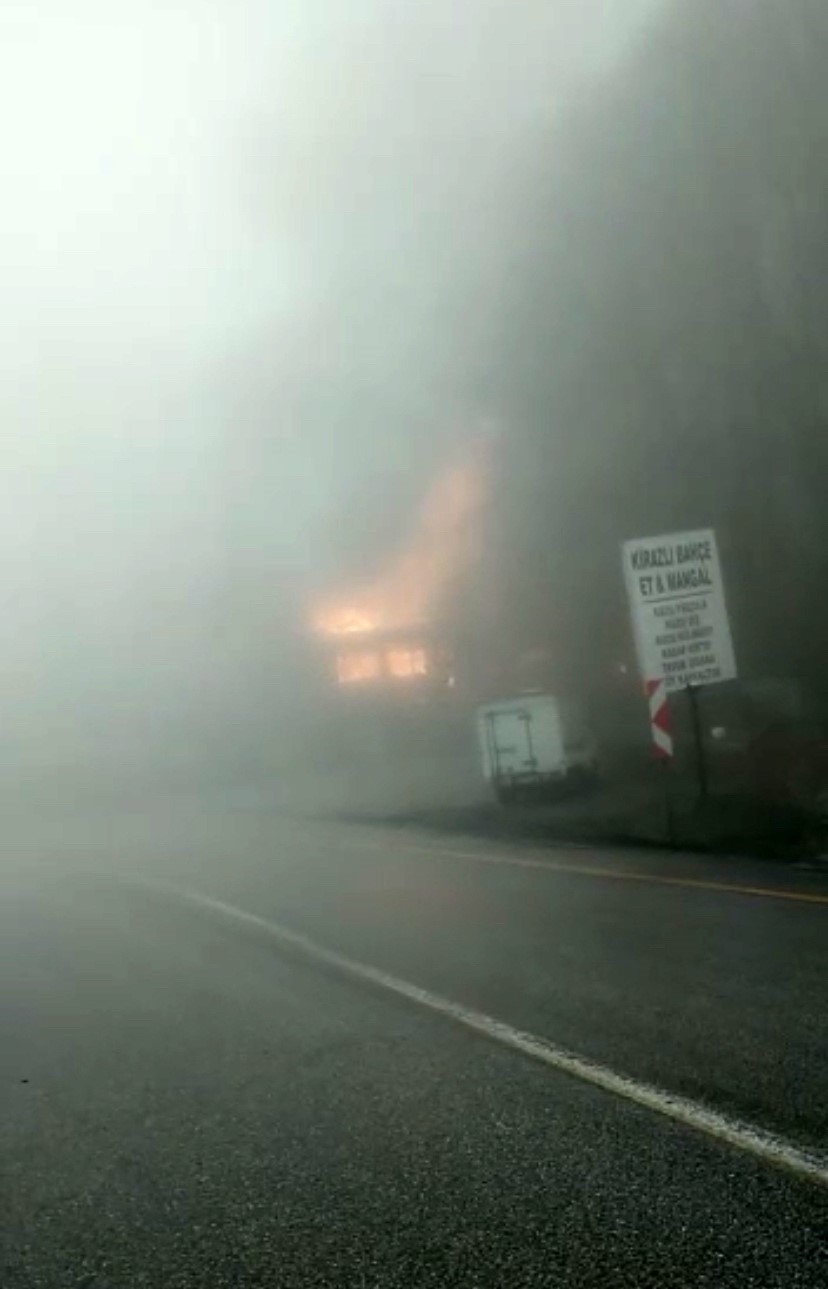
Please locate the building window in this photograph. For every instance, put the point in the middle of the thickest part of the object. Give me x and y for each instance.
(401, 663)
(354, 667)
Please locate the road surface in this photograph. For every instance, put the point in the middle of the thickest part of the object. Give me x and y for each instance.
(244, 1050)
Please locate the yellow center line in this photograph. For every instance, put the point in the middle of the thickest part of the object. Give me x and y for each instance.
(655, 879)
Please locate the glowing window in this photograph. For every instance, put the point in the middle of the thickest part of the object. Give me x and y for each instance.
(354, 667)
(406, 662)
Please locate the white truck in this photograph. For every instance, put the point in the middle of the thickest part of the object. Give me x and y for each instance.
(534, 741)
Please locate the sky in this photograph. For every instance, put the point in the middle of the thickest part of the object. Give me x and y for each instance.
(229, 223)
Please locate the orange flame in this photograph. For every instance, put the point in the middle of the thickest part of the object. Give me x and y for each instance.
(444, 544)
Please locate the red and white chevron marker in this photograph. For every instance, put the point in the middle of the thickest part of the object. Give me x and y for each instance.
(656, 691)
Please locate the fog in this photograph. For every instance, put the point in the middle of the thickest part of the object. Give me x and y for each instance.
(227, 226)
(271, 270)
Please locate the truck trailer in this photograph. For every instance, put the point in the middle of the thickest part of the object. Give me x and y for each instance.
(532, 742)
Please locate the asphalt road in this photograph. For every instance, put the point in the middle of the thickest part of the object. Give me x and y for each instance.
(191, 1100)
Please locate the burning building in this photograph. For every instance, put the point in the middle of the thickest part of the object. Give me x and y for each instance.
(391, 631)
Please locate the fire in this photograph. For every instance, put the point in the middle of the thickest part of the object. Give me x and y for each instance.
(406, 662)
(342, 622)
(351, 668)
(418, 582)
(360, 665)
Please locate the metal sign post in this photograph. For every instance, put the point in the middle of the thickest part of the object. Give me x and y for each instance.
(698, 739)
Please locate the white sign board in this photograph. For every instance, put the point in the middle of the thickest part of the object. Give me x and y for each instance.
(682, 633)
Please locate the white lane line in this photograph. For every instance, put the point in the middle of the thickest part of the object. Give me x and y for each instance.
(767, 1146)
